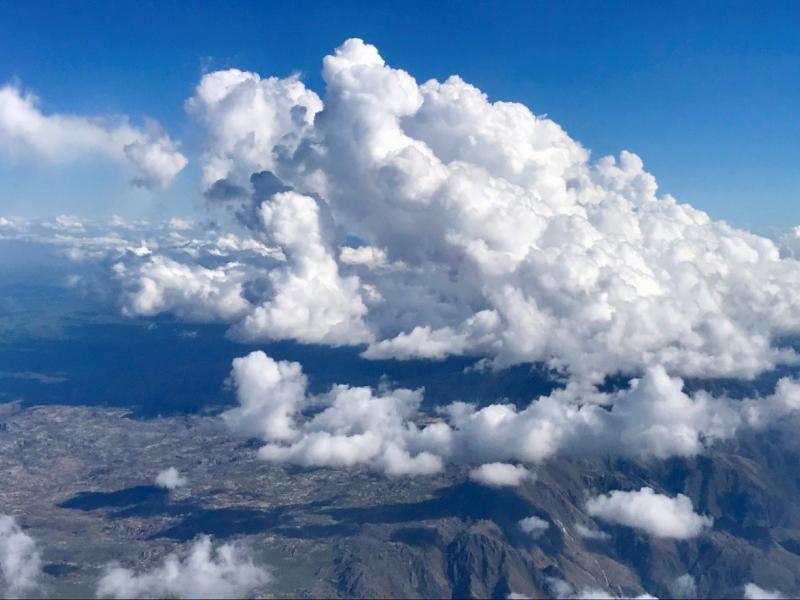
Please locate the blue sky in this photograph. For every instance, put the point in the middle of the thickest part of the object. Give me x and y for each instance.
(706, 93)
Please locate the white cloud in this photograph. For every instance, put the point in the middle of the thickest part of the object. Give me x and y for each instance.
(28, 134)
(311, 302)
(684, 587)
(227, 571)
(270, 393)
(355, 427)
(562, 589)
(498, 474)
(191, 292)
(754, 592)
(249, 120)
(367, 256)
(504, 239)
(534, 526)
(386, 431)
(20, 561)
(658, 515)
(170, 479)
(590, 534)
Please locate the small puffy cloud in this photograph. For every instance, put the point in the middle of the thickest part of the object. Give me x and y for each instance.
(20, 561)
(170, 479)
(754, 592)
(367, 256)
(421, 342)
(588, 533)
(562, 589)
(28, 134)
(68, 222)
(498, 474)
(684, 586)
(533, 526)
(655, 514)
(227, 571)
(157, 161)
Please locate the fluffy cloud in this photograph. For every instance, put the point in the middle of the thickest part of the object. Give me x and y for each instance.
(250, 121)
(170, 479)
(588, 533)
(505, 239)
(203, 572)
(311, 302)
(354, 427)
(26, 133)
(499, 474)
(534, 526)
(270, 393)
(189, 291)
(20, 562)
(658, 515)
(386, 431)
(562, 589)
(684, 587)
(754, 592)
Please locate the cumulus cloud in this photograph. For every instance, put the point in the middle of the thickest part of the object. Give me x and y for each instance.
(533, 526)
(505, 239)
(754, 592)
(20, 561)
(580, 263)
(250, 121)
(684, 587)
(170, 479)
(189, 291)
(562, 589)
(355, 426)
(311, 301)
(655, 514)
(26, 133)
(227, 571)
(386, 431)
(499, 474)
(589, 533)
(367, 256)
(270, 393)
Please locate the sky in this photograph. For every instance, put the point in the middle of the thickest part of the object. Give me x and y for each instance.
(705, 93)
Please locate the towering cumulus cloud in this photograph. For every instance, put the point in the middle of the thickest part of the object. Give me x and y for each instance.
(427, 221)
(26, 133)
(423, 221)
